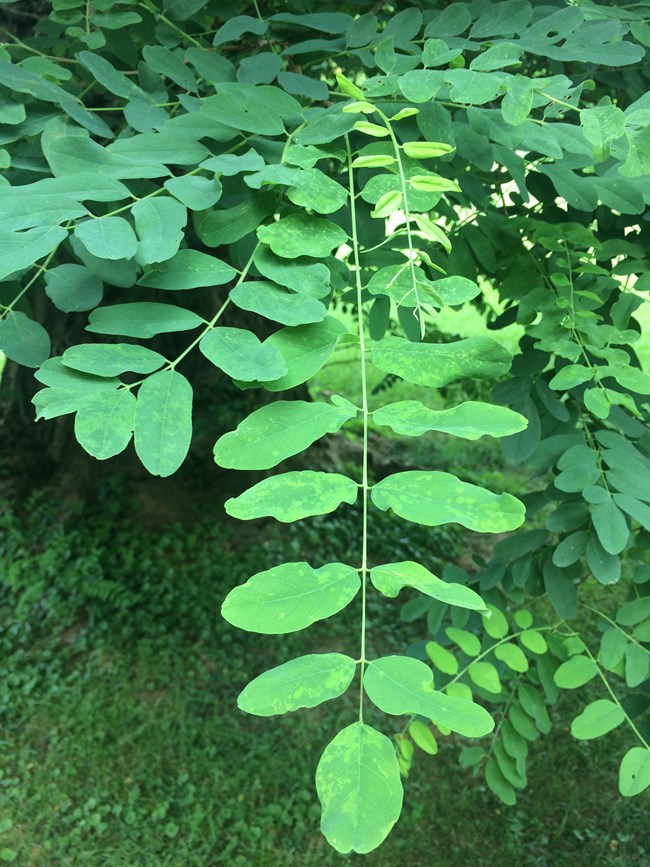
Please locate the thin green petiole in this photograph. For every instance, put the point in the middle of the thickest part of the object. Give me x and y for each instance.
(364, 411)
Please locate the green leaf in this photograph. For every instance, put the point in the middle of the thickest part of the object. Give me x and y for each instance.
(225, 226)
(498, 784)
(513, 656)
(570, 376)
(163, 422)
(40, 204)
(485, 676)
(533, 703)
(597, 719)
(596, 400)
(240, 354)
(165, 62)
(405, 284)
(188, 269)
(496, 57)
(303, 682)
(637, 665)
(20, 250)
(434, 498)
(313, 189)
(423, 737)
(606, 567)
(611, 526)
(575, 672)
(562, 592)
(141, 319)
(289, 308)
(473, 88)
(194, 191)
(112, 359)
(469, 643)
(290, 597)
(602, 125)
(236, 26)
(422, 150)
(469, 420)
(612, 648)
(533, 641)
(522, 723)
(159, 223)
(23, 340)
(252, 109)
(453, 287)
(348, 88)
(496, 623)
(373, 129)
(302, 235)
(518, 100)
(372, 161)
(400, 685)
(293, 496)
(108, 237)
(302, 275)
(324, 126)
(359, 786)
(387, 204)
(277, 431)
(305, 349)
(433, 184)
(73, 288)
(633, 612)
(113, 80)
(634, 774)
(392, 577)
(570, 549)
(437, 365)
(443, 659)
(104, 423)
(15, 78)
(234, 164)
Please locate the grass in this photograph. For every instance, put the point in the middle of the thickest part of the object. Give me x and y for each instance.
(122, 744)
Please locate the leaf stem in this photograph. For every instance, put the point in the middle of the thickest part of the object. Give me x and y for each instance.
(407, 214)
(614, 698)
(365, 414)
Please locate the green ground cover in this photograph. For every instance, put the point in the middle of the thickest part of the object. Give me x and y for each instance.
(121, 744)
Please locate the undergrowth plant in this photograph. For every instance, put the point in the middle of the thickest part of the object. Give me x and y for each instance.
(396, 160)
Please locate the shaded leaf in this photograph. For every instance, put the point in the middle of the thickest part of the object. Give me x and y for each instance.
(240, 354)
(104, 423)
(163, 422)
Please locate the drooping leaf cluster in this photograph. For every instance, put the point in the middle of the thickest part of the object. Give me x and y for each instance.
(402, 162)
